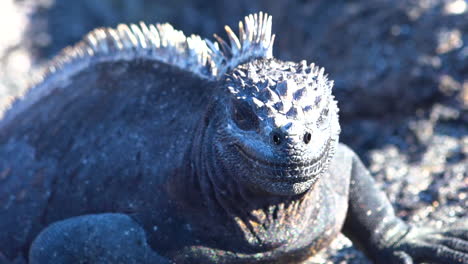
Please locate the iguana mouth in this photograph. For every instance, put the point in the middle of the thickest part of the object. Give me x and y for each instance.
(282, 171)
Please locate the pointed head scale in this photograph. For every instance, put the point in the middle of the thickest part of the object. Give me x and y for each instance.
(275, 88)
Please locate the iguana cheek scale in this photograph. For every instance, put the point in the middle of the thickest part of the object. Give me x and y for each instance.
(142, 145)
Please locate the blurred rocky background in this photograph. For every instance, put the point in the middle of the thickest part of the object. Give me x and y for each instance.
(400, 69)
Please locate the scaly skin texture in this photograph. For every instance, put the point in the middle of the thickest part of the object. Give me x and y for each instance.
(137, 161)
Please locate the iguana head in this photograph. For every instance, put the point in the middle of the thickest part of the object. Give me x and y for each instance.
(280, 125)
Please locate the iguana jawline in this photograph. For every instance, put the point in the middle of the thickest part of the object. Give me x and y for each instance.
(311, 168)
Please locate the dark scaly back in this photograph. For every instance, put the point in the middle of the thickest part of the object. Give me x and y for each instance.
(108, 121)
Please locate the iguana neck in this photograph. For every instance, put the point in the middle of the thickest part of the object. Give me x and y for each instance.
(255, 214)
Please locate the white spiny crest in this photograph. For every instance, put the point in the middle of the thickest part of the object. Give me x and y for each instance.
(256, 41)
(161, 42)
(288, 88)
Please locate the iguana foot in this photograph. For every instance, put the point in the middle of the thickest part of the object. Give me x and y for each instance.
(101, 238)
(429, 245)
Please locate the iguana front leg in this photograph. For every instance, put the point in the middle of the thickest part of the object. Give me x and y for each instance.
(372, 225)
(101, 238)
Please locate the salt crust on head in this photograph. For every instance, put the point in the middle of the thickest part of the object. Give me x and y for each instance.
(273, 86)
(160, 42)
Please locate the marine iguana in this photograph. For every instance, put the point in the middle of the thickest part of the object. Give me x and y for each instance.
(142, 145)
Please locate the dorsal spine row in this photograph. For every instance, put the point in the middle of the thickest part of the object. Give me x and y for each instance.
(161, 42)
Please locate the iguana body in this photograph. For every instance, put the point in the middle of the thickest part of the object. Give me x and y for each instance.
(143, 146)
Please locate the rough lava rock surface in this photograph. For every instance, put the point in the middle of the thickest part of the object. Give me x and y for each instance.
(400, 68)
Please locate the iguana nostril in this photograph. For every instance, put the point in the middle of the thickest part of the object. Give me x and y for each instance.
(276, 138)
(307, 137)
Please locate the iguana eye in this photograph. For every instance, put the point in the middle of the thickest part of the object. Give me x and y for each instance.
(243, 116)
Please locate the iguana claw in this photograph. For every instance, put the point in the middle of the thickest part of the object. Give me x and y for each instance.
(430, 245)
